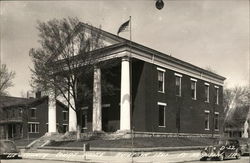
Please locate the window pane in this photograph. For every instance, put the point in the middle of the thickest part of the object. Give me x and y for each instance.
(206, 120)
(161, 115)
(217, 95)
(178, 85)
(33, 128)
(206, 93)
(193, 89)
(84, 120)
(160, 76)
(33, 113)
(64, 116)
(37, 127)
(216, 121)
(160, 81)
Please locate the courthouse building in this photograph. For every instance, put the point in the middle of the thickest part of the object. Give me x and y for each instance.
(155, 92)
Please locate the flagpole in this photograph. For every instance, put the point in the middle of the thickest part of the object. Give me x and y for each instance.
(130, 29)
(130, 53)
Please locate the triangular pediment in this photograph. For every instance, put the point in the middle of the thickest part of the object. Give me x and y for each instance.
(106, 38)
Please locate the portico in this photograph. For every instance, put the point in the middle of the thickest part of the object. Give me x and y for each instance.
(125, 100)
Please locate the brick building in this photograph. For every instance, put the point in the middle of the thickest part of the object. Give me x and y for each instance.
(28, 117)
(155, 92)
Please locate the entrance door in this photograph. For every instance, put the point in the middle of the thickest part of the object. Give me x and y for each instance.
(105, 117)
(84, 122)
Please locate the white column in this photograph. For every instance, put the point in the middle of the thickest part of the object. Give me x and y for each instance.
(125, 95)
(72, 113)
(97, 100)
(52, 113)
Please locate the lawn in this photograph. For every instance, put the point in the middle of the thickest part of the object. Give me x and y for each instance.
(144, 142)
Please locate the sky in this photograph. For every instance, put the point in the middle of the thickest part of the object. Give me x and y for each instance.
(206, 33)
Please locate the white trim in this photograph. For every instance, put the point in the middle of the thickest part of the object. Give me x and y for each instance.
(216, 113)
(163, 63)
(207, 84)
(193, 79)
(84, 108)
(207, 111)
(33, 122)
(161, 69)
(105, 105)
(33, 108)
(65, 124)
(176, 74)
(216, 86)
(64, 111)
(161, 103)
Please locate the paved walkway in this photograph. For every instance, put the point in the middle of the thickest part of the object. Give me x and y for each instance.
(113, 157)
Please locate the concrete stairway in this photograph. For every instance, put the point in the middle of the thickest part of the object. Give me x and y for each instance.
(42, 141)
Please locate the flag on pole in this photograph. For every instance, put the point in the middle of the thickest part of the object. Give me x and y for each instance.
(123, 27)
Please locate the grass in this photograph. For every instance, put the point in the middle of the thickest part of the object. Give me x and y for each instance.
(139, 142)
(23, 142)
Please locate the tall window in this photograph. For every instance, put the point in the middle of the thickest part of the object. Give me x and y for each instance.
(216, 121)
(161, 116)
(65, 128)
(193, 88)
(161, 80)
(206, 120)
(206, 92)
(33, 112)
(65, 113)
(84, 121)
(216, 95)
(33, 127)
(178, 84)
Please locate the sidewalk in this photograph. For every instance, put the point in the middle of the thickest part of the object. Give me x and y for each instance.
(112, 156)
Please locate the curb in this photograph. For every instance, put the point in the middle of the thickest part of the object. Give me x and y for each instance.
(155, 149)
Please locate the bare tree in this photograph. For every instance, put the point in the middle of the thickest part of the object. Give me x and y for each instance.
(236, 104)
(6, 78)
(63, 58)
